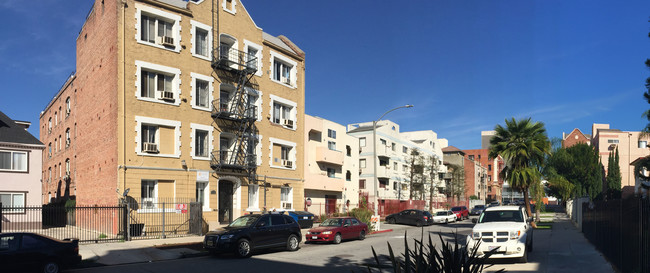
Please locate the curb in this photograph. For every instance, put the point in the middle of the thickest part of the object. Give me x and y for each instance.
(381, 231)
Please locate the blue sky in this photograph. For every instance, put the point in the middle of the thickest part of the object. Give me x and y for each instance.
(465, 65)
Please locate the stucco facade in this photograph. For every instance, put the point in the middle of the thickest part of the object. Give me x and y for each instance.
(331, 167)
(152, 65)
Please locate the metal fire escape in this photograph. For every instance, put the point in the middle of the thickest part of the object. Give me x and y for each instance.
(236, 114)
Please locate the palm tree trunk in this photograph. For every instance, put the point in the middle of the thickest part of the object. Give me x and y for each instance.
(526, 200)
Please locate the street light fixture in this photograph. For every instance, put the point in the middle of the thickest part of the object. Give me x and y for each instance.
(374, 158)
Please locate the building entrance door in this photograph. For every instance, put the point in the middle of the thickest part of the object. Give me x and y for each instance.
(225, 201)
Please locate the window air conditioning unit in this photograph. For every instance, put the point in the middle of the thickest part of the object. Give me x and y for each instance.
(287, 163)
(150, 148)
(167, 95)
(148, 205)
(285, 80)
(286, 205)
(165, 41)
(287, 122)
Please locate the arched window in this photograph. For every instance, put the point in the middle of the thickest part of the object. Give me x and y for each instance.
(67, 107)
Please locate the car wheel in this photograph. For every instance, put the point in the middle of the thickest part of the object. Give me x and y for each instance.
(524, 259)
(390, 220)
(337, 238)
(362, 235)
(51, 267)
(446, 221)
(292, 243)
(243, 249)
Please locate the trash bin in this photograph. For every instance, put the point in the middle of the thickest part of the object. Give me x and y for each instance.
(304, 218)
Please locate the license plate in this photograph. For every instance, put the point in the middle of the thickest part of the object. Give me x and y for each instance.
(490, 248)
(314, 237)
(209, 243)
(306, 217)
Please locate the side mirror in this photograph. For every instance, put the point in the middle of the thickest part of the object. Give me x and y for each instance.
(474, 220)
(346, 225)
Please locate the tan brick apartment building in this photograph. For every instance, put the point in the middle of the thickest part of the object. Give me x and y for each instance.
(179, 100)
(493, 166)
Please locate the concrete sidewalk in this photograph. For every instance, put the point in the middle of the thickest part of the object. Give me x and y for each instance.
(139, 251)
(560, 249)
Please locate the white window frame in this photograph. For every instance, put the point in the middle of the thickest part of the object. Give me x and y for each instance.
(206, 194)
(254, 200)
(68, 109)
(292, 73)
(156, 68)
(154, 199)
(288, 199)
(292, 113)
(210, 131)
(158, 122)
(204, 27)
(292, 153)
(153, 12)
(210, 80)
(14, 211)
(232, 11)
(362, 163)
(11, 162)
(258, 101)
(362, 142)
(248, 44)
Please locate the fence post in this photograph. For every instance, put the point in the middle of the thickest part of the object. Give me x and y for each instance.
(163, 220)
(127, 225)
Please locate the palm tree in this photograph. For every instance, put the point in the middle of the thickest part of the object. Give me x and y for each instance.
(523, 144)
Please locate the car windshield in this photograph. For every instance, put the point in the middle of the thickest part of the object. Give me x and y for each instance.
(455, 209)
(501, 216)
(331, 223)
(479, 207)
(441, 213)
(244, 221)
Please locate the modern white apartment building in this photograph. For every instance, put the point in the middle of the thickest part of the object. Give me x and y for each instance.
(393, 160)
(331, 167)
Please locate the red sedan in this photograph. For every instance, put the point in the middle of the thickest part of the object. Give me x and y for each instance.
(337, 229)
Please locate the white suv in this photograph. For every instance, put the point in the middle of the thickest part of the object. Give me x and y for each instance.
(505, 228)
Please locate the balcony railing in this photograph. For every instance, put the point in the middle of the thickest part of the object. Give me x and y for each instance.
(230, 160)
(226, 57)
(229, 110)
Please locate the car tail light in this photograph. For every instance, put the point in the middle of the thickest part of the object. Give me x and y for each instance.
(76, 250)
(426, 217)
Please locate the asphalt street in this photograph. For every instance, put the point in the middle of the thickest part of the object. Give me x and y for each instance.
(349, 256)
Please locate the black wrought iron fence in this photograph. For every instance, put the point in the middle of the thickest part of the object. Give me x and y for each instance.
(620, 229)
(88, 224)
(140, 218)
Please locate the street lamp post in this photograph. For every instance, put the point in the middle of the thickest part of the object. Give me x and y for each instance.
(374, 159)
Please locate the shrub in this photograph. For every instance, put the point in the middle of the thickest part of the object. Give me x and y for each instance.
(363, 215)
(431, 260)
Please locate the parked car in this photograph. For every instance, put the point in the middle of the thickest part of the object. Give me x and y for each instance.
(304, 218)
(461, 212)
(493, 204)
(444, 216)
(253, 232)
(337, 229)
(411, 217)
(505, 230)
(29, 251)
(477, 210)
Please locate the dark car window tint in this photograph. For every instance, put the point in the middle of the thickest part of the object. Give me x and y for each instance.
(355, 222)
(277, 220)
(31, 242)
(347, 222)
(288, 219)
(264, 219)
(8, 242)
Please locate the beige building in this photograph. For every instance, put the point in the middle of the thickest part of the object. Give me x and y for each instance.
(176, 100)
(631, 145)
(331, 167)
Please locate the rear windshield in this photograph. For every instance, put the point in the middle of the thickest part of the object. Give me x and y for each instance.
(479, 207)
(441, 213)
(501, 216)
(455, 208)
(245, 221)
(426, 213)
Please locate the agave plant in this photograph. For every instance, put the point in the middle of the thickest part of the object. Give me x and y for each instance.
(448, 259)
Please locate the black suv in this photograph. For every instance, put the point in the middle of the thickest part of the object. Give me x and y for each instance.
(411, 217)
(254, 231)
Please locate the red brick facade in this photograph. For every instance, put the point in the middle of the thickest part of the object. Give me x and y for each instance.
(573, 138)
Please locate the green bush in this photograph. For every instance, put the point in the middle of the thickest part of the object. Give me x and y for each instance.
(69, 204)
(473, 197)
(449, 258)
(363, 215)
